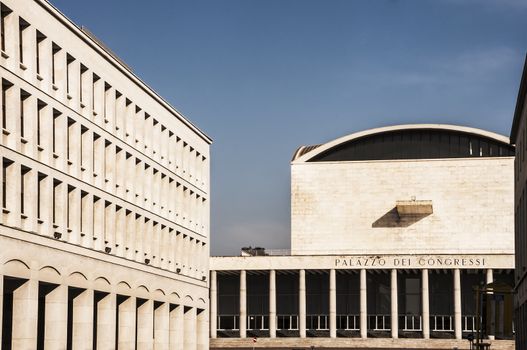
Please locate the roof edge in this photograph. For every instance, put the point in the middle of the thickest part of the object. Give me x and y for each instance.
(301, 158)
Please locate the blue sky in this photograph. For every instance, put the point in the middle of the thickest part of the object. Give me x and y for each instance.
(264, 77)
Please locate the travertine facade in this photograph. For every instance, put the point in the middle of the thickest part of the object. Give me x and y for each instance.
(104, 231)
(392, 228)
(346, 207)
(519, 138)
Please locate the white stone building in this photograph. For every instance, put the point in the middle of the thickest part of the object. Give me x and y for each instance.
(104, 230)
(391, 229)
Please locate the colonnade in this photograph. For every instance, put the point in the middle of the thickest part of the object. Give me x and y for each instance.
(41, 315)
(363, 296)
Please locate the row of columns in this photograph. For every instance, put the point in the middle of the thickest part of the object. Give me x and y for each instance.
(130, 322)
(333, 305)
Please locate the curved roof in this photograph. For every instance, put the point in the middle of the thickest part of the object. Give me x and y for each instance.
(310, 153)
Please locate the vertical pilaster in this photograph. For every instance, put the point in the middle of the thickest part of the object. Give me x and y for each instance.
(272, 304)
(302, 303)
(457, 303)
(213, 304)
(243, 304)
(332, 303)
(363, 305)
(425, 296)
(394, 305)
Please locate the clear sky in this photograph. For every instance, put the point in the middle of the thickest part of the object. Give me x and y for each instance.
(264, 77)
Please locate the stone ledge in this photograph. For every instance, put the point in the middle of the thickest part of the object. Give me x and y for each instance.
(350, 343)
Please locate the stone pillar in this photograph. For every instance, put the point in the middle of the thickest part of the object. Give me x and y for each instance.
(332, 303)
(82, 333)
(56, 318)
(243, 304)
(106, 322)
(161, 327)
(213, 305)
(302, 303)
(492, 311)
(457, 303)
(394, 305)
(272, 304)
(176, 328)
(363, 305)
(145, 325)
(202, 331)
(25, 314)
(126, 310)
(190, 329)
(425, 296)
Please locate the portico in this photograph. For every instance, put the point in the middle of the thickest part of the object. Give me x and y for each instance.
(350, 296)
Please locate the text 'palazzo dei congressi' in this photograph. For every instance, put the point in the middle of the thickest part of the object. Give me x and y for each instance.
(104, 230)
(391, 230)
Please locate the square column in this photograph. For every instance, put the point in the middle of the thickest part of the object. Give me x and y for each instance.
(25, 312)
(243, 304)
(332, 304)
(213, 305)
(272, 304)
(492, 311)
(161, 329)
(82, 319)
(457, 303)
(190, 329)
(363, 305)
(106, 322)
(56, 318)
(145, 325)
(202, 333)
(302, 303)
(426, 304)
(394, 305)
(126, 313)
(176, 328)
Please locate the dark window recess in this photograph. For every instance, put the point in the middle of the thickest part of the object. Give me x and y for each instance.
(416, 144)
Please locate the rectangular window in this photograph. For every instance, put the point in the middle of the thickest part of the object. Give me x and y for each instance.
(23, 100)
(107, 88)
(56, 115)
(84, 199)
(69, 137)
(40, 111)
(40, 39)
(4, 11)
(71, 198)
(96, 146)
(5, 164)
(56, 184)
(93, 90)
(24, 171)
(69, 60)
(55, 50)
(41, 178)
(22, 25)
(84, 69)
(5, 86)
(84, 134)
